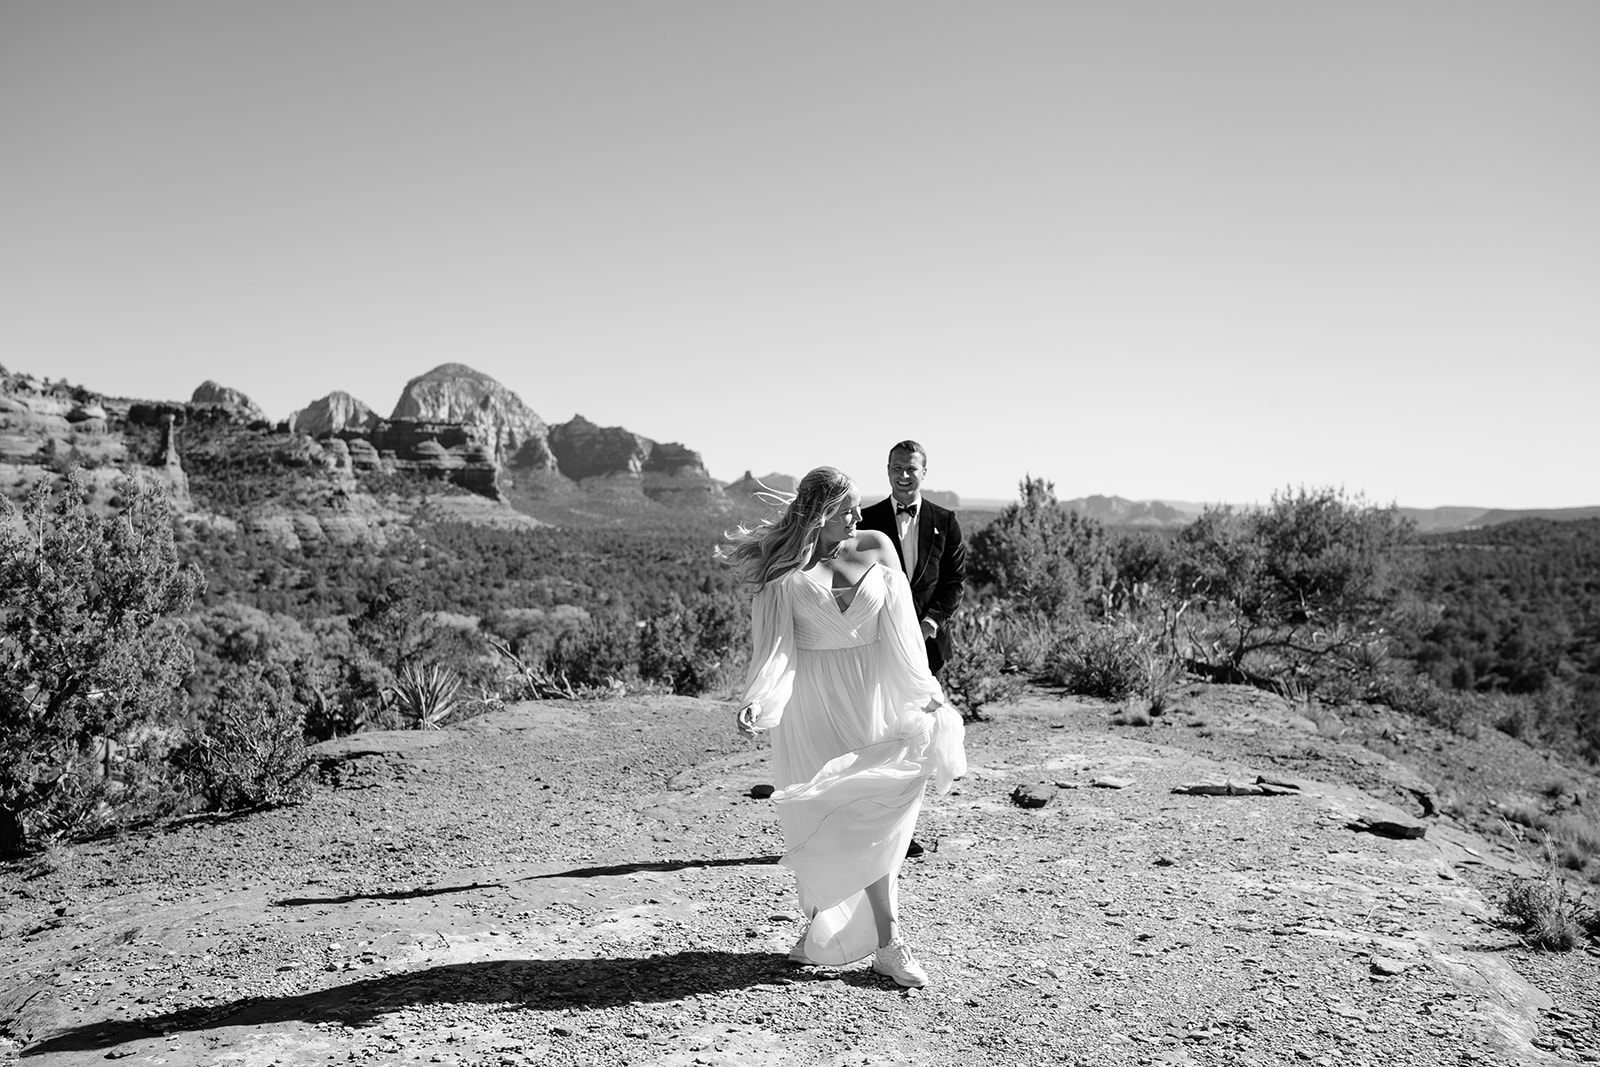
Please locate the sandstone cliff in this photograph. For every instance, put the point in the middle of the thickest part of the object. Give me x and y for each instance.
(333, 414)
(210, 394)
(455, 393)
(616, 459)
(454, 424)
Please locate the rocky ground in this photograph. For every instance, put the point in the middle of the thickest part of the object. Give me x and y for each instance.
(592, 883)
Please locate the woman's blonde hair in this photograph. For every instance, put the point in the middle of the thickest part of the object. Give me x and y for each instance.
(772, 548)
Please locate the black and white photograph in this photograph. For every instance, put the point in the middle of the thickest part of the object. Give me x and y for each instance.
(907, 533)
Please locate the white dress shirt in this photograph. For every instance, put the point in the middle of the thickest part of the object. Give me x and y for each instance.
(907, 527)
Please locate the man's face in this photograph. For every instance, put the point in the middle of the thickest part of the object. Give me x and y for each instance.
(906, 472)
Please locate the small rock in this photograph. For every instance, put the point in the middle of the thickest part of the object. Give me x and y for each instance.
(762, 791)
(1399, 831)
(1225, 788)
(1388, 965)
(1111, 782)
(1032, 796)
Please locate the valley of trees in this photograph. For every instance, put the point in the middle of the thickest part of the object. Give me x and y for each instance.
(1317, 596)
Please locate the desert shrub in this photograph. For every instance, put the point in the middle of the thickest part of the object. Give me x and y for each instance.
(1545, 913)
(1580, 835)
(526, 681)
(249, 750)
(233, 634)
(89, 646)
(1039, 555)
(1024, 637)
(1115, 660)
(1145, 565)
(1416, 695)
(980, 670)
(1309, 578)
(694, 647)
(601, 653)
(395, 627)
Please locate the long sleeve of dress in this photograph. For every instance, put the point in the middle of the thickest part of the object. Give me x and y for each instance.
(908, 685)
(771, 676)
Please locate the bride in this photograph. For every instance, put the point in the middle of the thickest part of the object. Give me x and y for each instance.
(840, 678)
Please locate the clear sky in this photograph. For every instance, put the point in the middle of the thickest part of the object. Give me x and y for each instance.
(1186, 250)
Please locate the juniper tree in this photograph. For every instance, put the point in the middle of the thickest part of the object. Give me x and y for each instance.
(1312, 575)
(89, 646)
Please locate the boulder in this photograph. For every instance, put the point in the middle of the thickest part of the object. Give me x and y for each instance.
(1032, 796)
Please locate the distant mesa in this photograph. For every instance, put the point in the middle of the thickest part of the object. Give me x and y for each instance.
(1118, 511)
(1450, 519)
(335, 413)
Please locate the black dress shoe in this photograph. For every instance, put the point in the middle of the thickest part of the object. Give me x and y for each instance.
(915, 848)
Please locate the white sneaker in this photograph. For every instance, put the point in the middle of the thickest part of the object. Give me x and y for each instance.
(895, 961)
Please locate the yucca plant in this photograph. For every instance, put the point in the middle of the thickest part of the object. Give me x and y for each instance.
(426, 696)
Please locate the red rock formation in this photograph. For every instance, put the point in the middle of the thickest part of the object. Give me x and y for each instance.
(210, 394)
(333, 414)
(455, 393)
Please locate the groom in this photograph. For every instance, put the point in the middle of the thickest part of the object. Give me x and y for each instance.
(927, 539)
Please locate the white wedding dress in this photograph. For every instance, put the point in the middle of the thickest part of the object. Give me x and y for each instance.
(843, 692)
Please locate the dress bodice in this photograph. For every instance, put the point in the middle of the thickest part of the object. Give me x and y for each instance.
(818, 622)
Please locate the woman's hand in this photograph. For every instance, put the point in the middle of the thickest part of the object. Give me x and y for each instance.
(933, 705)
(745, 720)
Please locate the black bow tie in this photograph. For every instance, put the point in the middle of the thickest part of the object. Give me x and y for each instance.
(908, 509)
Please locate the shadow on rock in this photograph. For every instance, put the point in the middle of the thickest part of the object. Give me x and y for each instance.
(398, 894)
(614, 869)
(530, 984)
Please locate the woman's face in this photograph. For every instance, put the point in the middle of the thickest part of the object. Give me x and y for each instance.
(842, 524)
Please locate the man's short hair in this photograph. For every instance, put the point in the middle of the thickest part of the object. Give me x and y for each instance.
(909, 446)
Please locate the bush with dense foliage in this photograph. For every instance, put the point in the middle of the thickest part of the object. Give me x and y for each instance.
(1038, 555)
(89, 644)
(1298, 586)
(695, 646)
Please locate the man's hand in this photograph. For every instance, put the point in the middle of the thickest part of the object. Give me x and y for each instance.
(929, 628)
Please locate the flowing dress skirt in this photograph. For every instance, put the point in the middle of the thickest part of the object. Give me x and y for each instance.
(854, 749)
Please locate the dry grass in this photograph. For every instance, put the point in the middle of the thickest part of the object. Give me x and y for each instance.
(1543, 911)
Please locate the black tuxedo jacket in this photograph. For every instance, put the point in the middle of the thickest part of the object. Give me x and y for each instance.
(941, 578)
